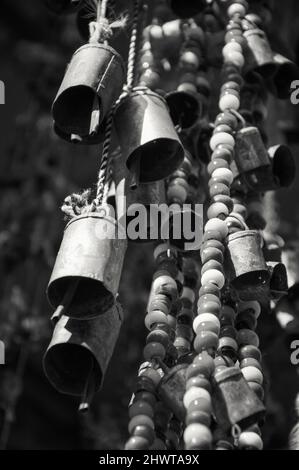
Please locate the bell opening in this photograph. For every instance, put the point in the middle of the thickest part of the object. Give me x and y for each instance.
(158, 157)
(73, 110)
(279, 280)
(183, 108)
(253, 279)
(68, 366)
(284, 167)
(90, 299)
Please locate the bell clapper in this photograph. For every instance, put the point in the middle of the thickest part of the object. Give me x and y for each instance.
(95, 116)
(135, 170)
(75, 138)
(67, 299)
(89, 390)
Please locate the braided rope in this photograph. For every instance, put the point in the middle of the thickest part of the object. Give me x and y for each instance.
(133, 47)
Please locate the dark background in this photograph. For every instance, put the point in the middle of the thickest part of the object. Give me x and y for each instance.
(36, 172)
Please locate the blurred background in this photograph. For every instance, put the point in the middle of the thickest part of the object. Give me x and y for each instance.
(37, 171)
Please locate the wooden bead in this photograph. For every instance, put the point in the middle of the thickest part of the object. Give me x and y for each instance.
(208, 298)
(155, 317)
(205, 318)
(250, 440)
(218, 225)
(236, 9)
(141, 408)
(206, 341)
(219, 188)
(197, 436)
(200, 404)
(224, 200)
(212, 264)
(195, 393)
(250, 361)
(227, 118)
(250, 351)
(209, 289)
(199, 417)
(137, 443)
(196, 380)
(154, 350)
(140, 420)
(227, 342)
(213, 276)
(224, 174)
(253, 306)
(212, 235)
(211, 253)
(253, 374)
(217, 209)
(152, 374)
(206, 362)
(229, 101)
(246, 336)
(146, 432)
(217, 163)
(158, 336)
(209, 307)
(221, 138)
(165, 284)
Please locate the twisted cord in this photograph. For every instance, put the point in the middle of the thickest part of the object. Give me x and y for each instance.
(133, 47)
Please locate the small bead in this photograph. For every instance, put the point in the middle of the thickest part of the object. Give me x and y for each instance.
(152, 375)
(208, 298)
(231, 47)
(212, 244)
(250, 351)
(158, 336)
(251, 306)
(227, 314)
(236, 9)
(160, 303)
(213, 276)
(209, 289)
(225, 174)
(153, 318)
(137, 443)
(195, 393)
(204, 318)
(229, 101)
(227, 118)
(209, 307)
(253, 374)
(246, 336)
(199, 417)
(189, 60)
(211, 253)
(154, 350)
(224, 200)
(217, 209)
(200, 404)
(206, 341)
(140, 420)
(223, 128)
(217, 163)
(197, 436)
(141, 408)
(221, 138)
(227, 342)
(250, 440)
(146, 432)
(212, 235)
(212, 264)
(231, 85)
(197, 380)
(218, 225)
(145, 396)
(219, 189)
(206, 362)
(250, 361)
(165, 284)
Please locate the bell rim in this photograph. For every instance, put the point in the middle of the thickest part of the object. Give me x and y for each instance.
(243, 233)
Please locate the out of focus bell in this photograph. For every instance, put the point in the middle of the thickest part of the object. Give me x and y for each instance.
(234, 403)
(287, 72)
(187, 8)
(246, 266)
(92, 83)
(149, 142)
(259, 169)
(89, 264)
(183, 108)
(63, 6)
(278, 279)
(258, 54)
(80, 351)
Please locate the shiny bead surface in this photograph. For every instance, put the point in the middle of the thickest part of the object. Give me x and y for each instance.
(196, 380)
(219, 188)
(155, 317)
(250, 351)
(197, 436)
(221, 138)
(218, 225)
(236, 9)
(217, 209)
(140, 420)
(141, 408)
(224, 200)
(246, 336)
(224, 174)
(137, 443)
(209, 289)
(198, 417)
(213, 276)
(209, 307)
(154, 350)
(211, 253)
(250, 361)
(218, 163)
(206, 341)
(195, 393)
(204, 318)
(250, 440)
(229, 101)
(253, 374)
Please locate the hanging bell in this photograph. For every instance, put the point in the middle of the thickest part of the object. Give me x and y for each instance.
(259, 169)
(187, 8)
(92, 83)
(287, 72)
(88, 265)
(80, 351)
(278, 279)
(63, 6)
(246, 266)
(148, 139)
(234, 403)
(258, 54)
(183, 107)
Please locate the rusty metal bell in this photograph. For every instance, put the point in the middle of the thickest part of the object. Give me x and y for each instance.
(287, 72)
(246, 266)
(278, 279)
(89, 264)
(234, 403)
(149, 142)
(258, 54)
(92, 83)
(63, 6)
(80, 351)
(183, 107)
(259, 169)
(187, 8)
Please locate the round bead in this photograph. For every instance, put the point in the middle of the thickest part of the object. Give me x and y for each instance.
(250, 351)
(227, 118)
(146, 432)
(213, 276)
(182, 343)
(231, 85)
(137, 443)
(221, 138)
(197, 380)
(236, 9)
(141, 408)
(224, 200)
(217, 209)
(209, 254)
(250, 361)
(206, 341)
(153, 318)
(189, 60)
(206, 362)
(246, 336)
(212, 235)
(250, 440)
(158, 336)
(177, 192)
(217, 163)
(209, 289)
(140, 420)
(200, 404)
(251, 306)
(212, 244)
(152, 375)
(227, 342)
(195, 393)
(223, 128)
(198, 417)
(165, 284)
(231, 47)
(229, 101)
(224, 174)
(145, 396)
(227, 315)
(161, 303)
(253, 374)
(204, 318)
(154, 350)
(209, 307)
(228, 330)
(197, 436)
(218, 225)
(257, 389)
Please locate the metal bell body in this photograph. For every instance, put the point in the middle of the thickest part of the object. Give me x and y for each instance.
(172, 388)
(234, 402)
(183, 107)
(149, 142)
(92, 83)
(246, 266)
(287, 72)
(283, 166)
(187, 8)
(278, 279)
(92, 256)
(63, 6)
(80, 351)
(259, 55)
